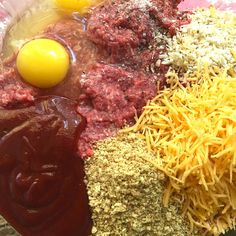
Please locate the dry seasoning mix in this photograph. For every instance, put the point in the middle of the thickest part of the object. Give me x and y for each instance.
(6, 229)
(125, 192)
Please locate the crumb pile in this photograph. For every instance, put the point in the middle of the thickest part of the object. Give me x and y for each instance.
(210, 39)
(6, 229)
(125, 192)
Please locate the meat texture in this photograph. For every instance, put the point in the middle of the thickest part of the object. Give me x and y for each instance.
(127, 28)
(13, 91)
(111, 97)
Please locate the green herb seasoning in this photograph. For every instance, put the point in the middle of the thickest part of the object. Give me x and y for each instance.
(6, 229)
(125, 192)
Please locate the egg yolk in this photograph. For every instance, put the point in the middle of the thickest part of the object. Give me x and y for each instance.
(43, 63)
(80, 6)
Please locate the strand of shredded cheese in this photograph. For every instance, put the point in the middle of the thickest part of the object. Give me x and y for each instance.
(193, 133)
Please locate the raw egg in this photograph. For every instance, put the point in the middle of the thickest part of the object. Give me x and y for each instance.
(80, 6)
(43, 63)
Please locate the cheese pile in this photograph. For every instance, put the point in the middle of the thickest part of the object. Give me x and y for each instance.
(210, 39)
(192, 130)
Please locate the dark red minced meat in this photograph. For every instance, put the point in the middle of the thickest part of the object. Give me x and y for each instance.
(127, 31)
(113, 94)
(110, 99)
(13, 91)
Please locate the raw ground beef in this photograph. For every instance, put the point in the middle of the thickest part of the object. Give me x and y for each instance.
(13, 91)
(113, 94)
(111, 97)
(126, 28)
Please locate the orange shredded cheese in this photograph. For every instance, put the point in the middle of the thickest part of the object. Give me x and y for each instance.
(193, 133)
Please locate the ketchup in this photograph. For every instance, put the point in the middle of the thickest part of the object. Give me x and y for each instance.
(42, 189)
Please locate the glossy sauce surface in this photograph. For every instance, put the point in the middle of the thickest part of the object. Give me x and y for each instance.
(42, 185)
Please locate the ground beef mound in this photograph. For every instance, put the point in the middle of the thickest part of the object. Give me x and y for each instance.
(111, 97)
(126, 28)
(13, 91)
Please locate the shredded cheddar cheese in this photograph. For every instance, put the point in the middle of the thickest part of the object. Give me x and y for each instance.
(192, 130)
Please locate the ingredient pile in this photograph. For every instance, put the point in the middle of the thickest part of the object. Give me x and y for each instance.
(119, 118)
